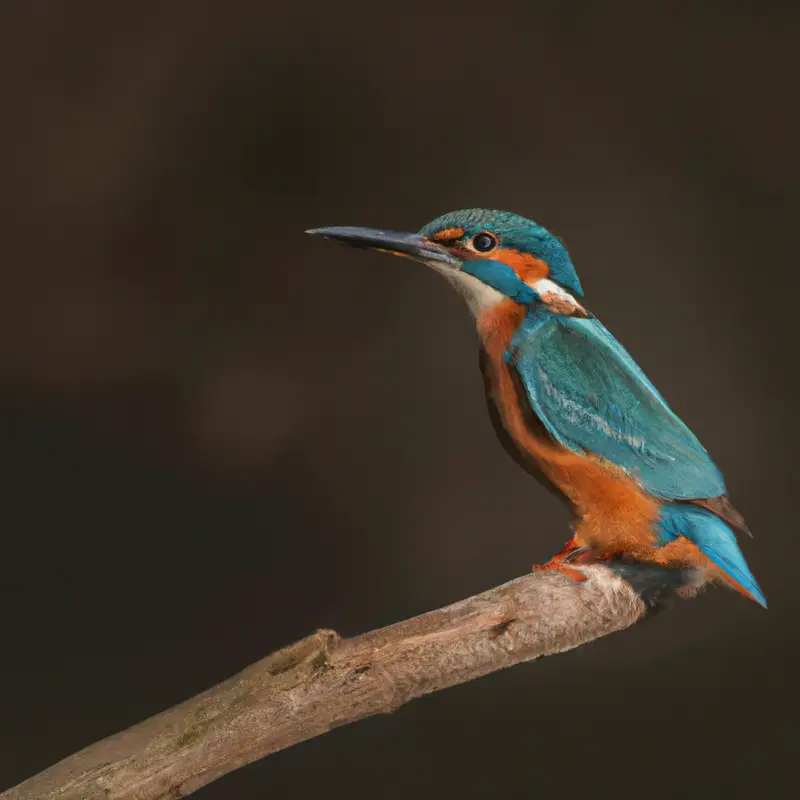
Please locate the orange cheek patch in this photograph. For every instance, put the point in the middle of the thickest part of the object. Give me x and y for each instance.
(525, 265)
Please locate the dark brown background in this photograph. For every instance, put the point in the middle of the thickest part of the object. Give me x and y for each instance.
(219, 434)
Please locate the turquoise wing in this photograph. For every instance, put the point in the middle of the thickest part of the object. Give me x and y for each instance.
(592, 397)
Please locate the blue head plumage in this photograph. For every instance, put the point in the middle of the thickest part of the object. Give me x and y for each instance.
(514, 232)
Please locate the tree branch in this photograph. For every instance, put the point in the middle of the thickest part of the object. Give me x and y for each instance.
(325, 681)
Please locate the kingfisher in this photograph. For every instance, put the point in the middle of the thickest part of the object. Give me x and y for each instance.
(572, 407)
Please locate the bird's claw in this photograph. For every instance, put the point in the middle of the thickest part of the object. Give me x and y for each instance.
(560, 566)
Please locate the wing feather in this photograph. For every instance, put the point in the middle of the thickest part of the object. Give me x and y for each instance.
(592, 397)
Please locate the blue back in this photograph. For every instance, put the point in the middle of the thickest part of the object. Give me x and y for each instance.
(592, 397)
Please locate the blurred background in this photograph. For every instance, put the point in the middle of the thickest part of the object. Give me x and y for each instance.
(220, 434)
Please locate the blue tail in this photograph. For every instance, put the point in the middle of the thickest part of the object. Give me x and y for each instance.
(713, 538)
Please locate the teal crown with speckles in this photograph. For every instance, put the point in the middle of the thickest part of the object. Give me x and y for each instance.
(517, 233)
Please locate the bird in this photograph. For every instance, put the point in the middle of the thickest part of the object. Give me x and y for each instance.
(570, 404)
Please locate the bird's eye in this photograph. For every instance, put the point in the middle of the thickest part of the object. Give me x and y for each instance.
(484, 242)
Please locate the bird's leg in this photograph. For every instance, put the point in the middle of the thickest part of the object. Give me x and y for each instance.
(568, 551)
(587, 555)
(559, 566)
(560, 561)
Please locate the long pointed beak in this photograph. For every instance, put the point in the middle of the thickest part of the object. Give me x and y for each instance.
(411, 245)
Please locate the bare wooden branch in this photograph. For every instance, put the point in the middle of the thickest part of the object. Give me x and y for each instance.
(325, 681)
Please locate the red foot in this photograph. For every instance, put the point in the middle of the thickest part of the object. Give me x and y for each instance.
(570, 547)
(559, 566)
(558, 563)
(586, 555)
(572, 553)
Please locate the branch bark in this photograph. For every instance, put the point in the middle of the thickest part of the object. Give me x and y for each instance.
(324, 681)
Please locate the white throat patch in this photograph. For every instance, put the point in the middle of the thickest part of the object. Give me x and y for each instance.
(479, 296)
